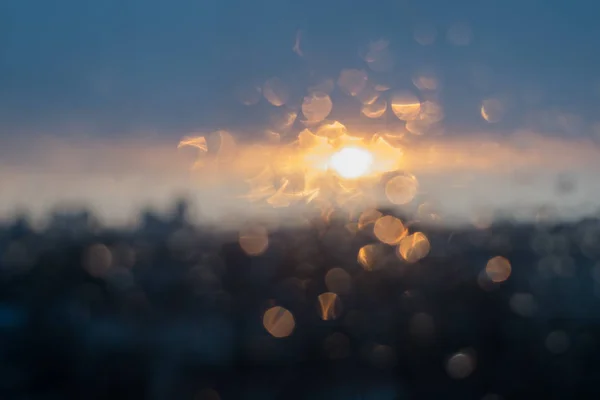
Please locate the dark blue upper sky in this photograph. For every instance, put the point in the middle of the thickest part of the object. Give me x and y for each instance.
(119, 66)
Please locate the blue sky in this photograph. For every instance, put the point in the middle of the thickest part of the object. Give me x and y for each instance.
(114, 67)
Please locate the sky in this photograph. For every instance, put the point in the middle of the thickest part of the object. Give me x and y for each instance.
(129, 65)
(89, 72)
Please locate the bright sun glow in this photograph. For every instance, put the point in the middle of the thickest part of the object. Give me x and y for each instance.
(351, 162)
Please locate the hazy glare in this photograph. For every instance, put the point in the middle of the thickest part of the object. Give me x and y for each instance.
(117, 178)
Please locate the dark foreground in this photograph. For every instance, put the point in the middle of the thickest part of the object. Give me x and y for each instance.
(172, 311)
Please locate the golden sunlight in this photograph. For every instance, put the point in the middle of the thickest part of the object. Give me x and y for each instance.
(305, 170)
(351, 162)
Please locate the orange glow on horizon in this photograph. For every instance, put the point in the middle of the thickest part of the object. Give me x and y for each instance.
(329, 164)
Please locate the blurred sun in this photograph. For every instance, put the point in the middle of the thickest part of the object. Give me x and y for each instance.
(351, 162)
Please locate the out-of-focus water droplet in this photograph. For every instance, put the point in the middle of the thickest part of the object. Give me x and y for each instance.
(498, 269)
(405, 105)
(401, 189)
(389, 230)
(379, 57)
(224, 145)
(272, 137)
(279, 322)
(276, 92)
(376, 109)
(368, 217)
(418, 127)
(431, 112)
(248, 94)
(254, 240)
(331, 130)
(324, 86)
(482, 219)
(370, 256)
(429, 212)
(316, 107)
(282, 119)
(380, 87)
(492, 110)
(523, 304)
(415, 247)
(425, 34)
(98, 260)
(352, 81)
(330, 306)
(368, 95)
(426, 80)
(460, 365)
